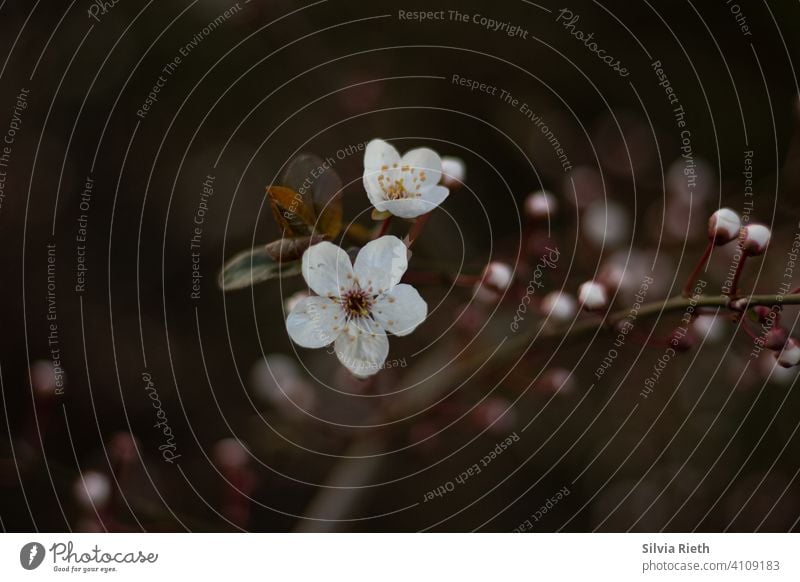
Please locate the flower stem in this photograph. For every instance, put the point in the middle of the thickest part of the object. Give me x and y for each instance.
(417, 228)
(353, 474)
(734, 290)
(384, 227)
(687, 288)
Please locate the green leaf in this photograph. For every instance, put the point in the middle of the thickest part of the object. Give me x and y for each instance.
(320, 188)
(291, 249)
(254, 266)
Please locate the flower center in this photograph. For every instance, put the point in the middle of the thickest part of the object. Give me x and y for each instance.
(356, 303)
(395, 189)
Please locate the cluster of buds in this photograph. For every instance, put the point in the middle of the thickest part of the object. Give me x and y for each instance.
(725, 226)
(776, 338)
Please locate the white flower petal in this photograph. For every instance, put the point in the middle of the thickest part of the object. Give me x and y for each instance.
(363, 347)
(400, 310)
(434, 195)
(379, 154)
(327, 269)
(315, 322)
(375, 191)
(380, 264)
(425, 165)
(429, 199)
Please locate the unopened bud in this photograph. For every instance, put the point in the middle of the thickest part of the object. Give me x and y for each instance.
(762, 312)
(454, 172)
(681, 341)
(708, 327)
(495, 414)
(43, 378)
(496, 279)
(789, 356)
(754, 239)
(498, 275)
(559, 306)
(557, 380)
(92, 490)
(230, 453)
(123, 447)
(724, 226)
(776, 338)
(540, 205)
(592, 296)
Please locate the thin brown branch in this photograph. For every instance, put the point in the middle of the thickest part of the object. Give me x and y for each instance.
(355, 472)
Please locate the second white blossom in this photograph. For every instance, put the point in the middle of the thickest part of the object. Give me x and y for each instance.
(407, 187)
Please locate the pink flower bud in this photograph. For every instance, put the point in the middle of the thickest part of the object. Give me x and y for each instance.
(682, 341)
(454, 172)
(495, 415)
(724, 226)
(496, 279)
(123, 447)
(230, 453)
(92, 490)
(557, 380)
(709, 328)
(762, 312)
(592, 296)
(540, 205)
(498, 275)
(606, 223)
(770, 369)
(43, 378)
(789, 356)
(558, 306)
(776, 338)
(754, 239)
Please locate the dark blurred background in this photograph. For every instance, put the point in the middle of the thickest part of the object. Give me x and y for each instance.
(715, 447)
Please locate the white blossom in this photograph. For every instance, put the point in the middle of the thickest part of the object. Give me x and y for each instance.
(356, 304)
(406, 187)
